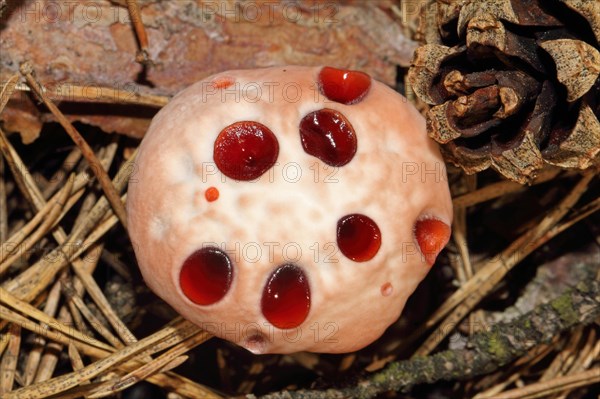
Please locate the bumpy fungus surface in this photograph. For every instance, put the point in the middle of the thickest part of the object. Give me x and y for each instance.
(288, 208)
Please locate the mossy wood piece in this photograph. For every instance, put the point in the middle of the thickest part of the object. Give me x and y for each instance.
(485, 352)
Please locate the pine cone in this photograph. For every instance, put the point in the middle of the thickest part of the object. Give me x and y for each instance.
(512, 83)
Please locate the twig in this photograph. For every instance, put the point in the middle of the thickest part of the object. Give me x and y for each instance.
(90, 317)
(20, 235)
(33, 280)
(3, 203)
(76, 362)
(499, 189)
(52, 215)
(118, 265)
(487, 351)
(21, 306)
(67, 381)
(5, 94)
(23, 179)
(91, 347)
(486, 278)
(7, 90)
(35, 354)
(58, 178)
(109, 190)
(101, 94)
(140, 31)
(543, 389)
(8, 365)
(160, 363)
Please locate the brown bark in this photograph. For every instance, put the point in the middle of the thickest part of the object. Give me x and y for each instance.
(94, 43)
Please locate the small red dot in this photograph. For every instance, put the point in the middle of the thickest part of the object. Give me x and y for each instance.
(223, 82)
(211, 194)
(432, 236)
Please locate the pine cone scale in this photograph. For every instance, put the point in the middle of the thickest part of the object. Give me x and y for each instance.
(512, 84)
(524, 157)
(590, 10)
(577, 64)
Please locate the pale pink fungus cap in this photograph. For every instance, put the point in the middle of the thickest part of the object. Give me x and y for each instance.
(180, 201)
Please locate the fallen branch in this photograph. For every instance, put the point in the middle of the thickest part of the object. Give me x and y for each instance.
(485, 353)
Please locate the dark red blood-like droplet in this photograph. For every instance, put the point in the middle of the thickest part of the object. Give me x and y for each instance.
(245, 150)
(358, 237)
(206, 276)
(432, 236)
(343, 86)
(286, 297)
(327, 135)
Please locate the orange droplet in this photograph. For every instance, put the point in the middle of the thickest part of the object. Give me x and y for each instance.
(223, 82)
(432, 236)
(211, 194)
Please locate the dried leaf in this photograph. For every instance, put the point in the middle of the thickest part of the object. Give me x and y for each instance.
(21, 115)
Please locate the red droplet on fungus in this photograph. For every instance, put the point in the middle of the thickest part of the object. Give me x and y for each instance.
(432, 236)
(344, 86)
(245, 150)
(327, 135)
(206, 276)
(223, 82)
(358, 237)
(286, 297)
(211, 194)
